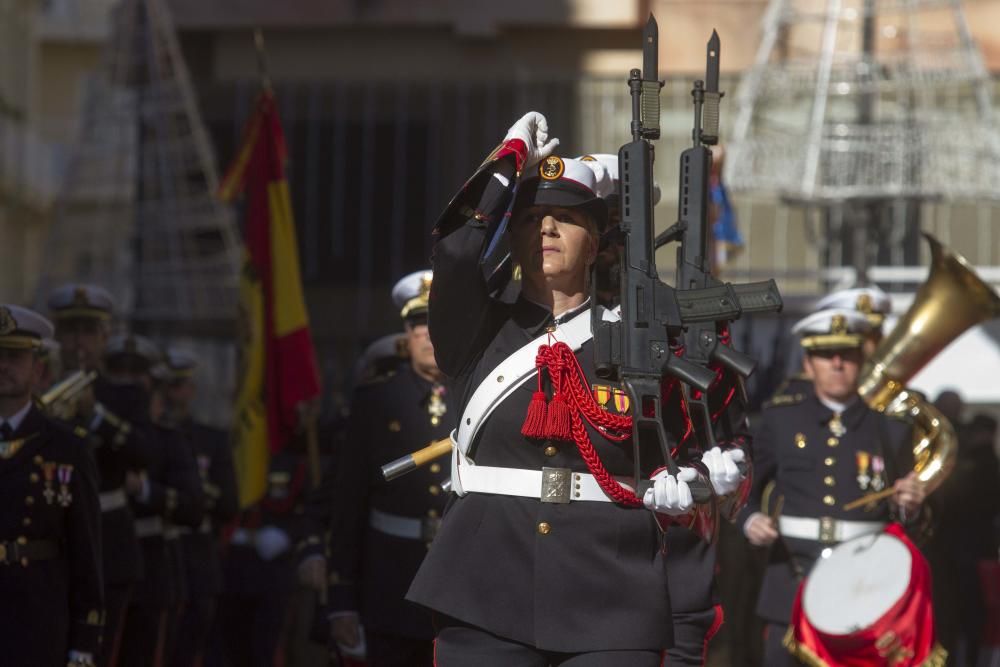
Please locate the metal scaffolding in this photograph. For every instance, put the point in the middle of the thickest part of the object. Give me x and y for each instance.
(137, 212)
(865, 100)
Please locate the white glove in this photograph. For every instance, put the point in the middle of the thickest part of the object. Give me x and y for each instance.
(670, 495)
(533, 130)
(722, 471)
(270, 542)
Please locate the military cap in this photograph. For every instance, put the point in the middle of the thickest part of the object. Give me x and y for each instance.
(22, 328)
(872, 301)
(179, 364)
(566, 183)
(831, 329)
(412, 293)
(135, 346)
(608, 185)
(81, 300)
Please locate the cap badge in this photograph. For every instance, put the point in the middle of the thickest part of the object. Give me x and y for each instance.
(838, 325)
(425, 284)
(80, 297)
(7, 322)
(864, 304)
(551, 168)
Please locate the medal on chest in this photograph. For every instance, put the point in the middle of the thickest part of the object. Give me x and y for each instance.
(878, 473)
(49, 475)
(837, 427)
(65, 473)
(436, 407)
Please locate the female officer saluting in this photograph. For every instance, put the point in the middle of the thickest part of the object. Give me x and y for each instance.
(545, 555)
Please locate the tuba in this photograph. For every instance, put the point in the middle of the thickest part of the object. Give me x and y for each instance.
(951, 300)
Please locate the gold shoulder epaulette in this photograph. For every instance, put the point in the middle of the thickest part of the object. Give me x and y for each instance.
(782, 400)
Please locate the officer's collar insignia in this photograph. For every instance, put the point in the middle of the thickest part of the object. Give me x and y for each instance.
(8, 324)
(551, 168)
(80, 297)
(864, 304)
(838, 325)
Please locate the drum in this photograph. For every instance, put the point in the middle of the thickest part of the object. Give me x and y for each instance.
(860, 581)
(867, 603)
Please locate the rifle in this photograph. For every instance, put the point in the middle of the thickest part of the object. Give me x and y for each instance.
(664, 330)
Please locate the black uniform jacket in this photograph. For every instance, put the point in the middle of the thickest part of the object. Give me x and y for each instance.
(48, 490)
(390, 418)
(596, 580)
(220, 503)
(817, 472)
(175, 496)
(121, 443)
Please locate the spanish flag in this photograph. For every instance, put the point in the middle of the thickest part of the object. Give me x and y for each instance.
(277, 361)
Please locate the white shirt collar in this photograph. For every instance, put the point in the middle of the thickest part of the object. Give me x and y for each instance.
(838, 408)
(15, 419)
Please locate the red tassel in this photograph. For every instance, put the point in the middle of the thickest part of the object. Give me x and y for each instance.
(534, 422)
(559, 422)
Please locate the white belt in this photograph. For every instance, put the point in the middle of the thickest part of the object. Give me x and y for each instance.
(149, 526)
(113, 500)
(825, 529)
(398, 526)
(550, 485)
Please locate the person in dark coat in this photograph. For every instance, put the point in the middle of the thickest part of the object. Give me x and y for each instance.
(546, 554)
(379, 531)
(165, 494)
(50, 540)
(116, 418)
(200, 545)
(822, 450)
(259, 568)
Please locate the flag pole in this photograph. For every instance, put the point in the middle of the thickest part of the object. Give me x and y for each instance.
(262, 71)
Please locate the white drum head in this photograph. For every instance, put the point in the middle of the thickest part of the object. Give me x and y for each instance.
(857, 584)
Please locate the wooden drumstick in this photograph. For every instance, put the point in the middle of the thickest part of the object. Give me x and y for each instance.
(870, 498)
(411, 462)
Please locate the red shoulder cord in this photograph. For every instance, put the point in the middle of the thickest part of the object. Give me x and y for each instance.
(570, 399)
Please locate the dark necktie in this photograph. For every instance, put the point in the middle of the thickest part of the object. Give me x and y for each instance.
(6, 431)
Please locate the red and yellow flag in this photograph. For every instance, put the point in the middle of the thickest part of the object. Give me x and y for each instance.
(277, 360)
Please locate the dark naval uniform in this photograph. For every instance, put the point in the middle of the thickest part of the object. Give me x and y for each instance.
(381, 530)
(818, 463)
(202, 564)
(258, 571)
(173, 498)
(50, 546)
(583, 576)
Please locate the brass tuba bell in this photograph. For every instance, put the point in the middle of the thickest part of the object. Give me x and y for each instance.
(951, 300)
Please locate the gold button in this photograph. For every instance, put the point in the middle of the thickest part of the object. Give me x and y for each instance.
(833, 442)
(544, 528)
(24, 562)
(551, 451)
(33, 477)
(829, 481)
(29, 501)
(435, 467)
(829, 500)
(22, 540)
(829, 461)
(434, 489)
(432, 514)
(26, 521)
(801, 444)
(39, 460)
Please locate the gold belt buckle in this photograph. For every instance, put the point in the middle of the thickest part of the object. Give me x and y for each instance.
(556, 485)
(827, 530)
